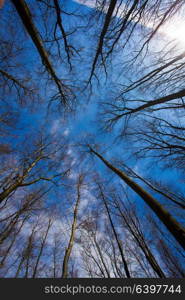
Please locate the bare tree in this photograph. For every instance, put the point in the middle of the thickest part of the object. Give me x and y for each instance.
(41, 249)
(171, 256)
(115, 233)
(159, 138)
(123, 20)
(12, 241)
(173, 226)
(73, 229)
(25, 14)
(133, 224)
(27, 253)
(24, 175)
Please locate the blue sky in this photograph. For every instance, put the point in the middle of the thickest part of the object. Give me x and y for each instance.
(86, 120)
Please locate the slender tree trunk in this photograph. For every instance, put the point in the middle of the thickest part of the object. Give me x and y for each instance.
(4, 235)
(115, 261)
(172, 225)
(142, 244)
(41, 249)
(108, 18)
(101, 257)
(19, 267)
(151, 103)
(153, 73)
(54, 260)
(28, 253)
(12, 242)
(73, 229)
(115, 234)
(29, 249)
(159, 191)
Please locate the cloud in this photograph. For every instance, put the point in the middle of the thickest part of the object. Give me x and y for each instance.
(66, 132)
(55, 126)
(58, 127)
(87, 199)
(92, 4)
(88, 3)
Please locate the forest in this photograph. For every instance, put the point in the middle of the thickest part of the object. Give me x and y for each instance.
(92, 139)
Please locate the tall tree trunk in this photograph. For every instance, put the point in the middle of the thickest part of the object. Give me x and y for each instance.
(12, 242)
(172, 225)
(25, 15)
(140, 240)
(28, 253)
(9, 228)
(19, 267)
(41, 249)
(158, 190)
(115, 234)
(73, 229)
(101, 257)
(108, 18)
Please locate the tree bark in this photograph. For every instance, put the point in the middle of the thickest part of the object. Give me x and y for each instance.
(73, 229)
(171, 224)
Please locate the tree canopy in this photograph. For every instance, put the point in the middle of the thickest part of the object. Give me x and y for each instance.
(92, 138)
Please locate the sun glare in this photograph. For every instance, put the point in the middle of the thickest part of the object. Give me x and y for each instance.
(175, 30)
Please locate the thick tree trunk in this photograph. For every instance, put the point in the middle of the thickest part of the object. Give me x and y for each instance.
(25, 15)
(172, 225)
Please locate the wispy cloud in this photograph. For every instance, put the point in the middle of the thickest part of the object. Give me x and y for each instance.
(55, 126)
(89, 3)
(58, 127)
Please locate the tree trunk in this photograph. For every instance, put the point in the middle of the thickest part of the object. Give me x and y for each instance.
(151, 103)
(25, 15)
(73, 229)
(115, 234)
(142, 245)
(41, 250)
(172, 225)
